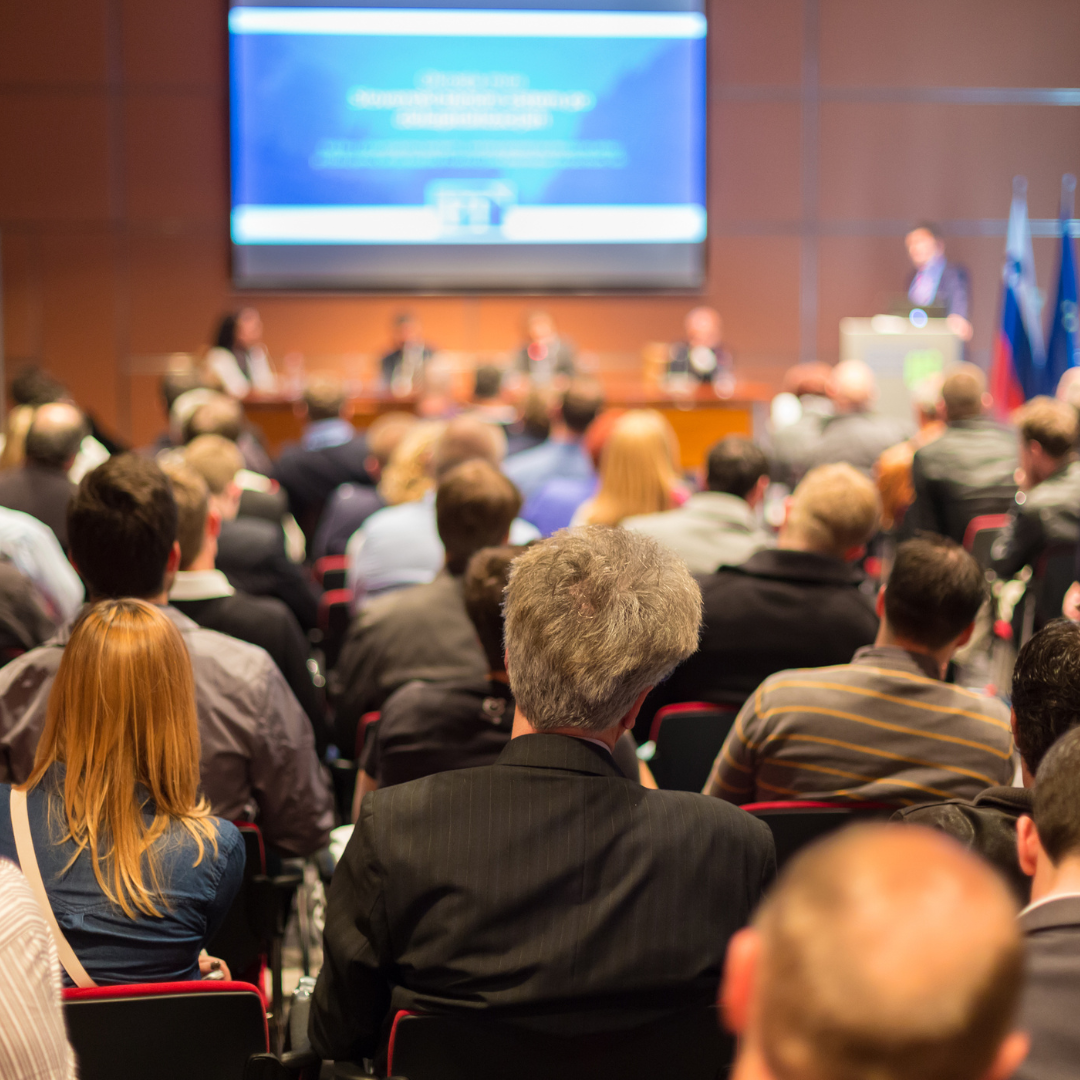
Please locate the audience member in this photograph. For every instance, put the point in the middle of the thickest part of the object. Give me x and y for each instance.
(702, 356)
(404, 367)
(25, 621)
(250, 550)
(1068, 387)
(798, 414)
(239, 359)
(33, 548)
(205, 595)
(257, 747)
(33, 1039)
(969, 470)
(638, 471)
(41, 486)
(399, 545)
(534, 426)
(487, 400)
(1048, 843)
(350, 505)
(562, 453)
(545, 355)
(136, 872)
(1047, 510)
(893, 469)
(425, 632)
(217, 414)
(882, 952)
(1045, 705)
(174, 384)
(331, 452)
(797, 605)
(717, 526)
(886, 727)
(570, 934)
(854, 433)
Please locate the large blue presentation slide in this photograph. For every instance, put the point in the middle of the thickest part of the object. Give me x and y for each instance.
(392, 127)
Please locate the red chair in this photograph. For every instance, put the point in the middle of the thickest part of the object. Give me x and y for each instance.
(362, 729)
(687, 737)
(795, 824)
(980, 534)
(330, 572)
(167, 1031)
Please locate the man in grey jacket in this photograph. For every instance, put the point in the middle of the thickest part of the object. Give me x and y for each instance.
(719, 526)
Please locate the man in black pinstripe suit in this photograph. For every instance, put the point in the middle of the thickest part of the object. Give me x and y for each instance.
(548, 888)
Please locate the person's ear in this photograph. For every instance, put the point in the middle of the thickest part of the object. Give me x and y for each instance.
(1028, 846)
(965, 637)
(213, 522)
(987, 401)
(787, 512)
(173, 562)
(630, 718)
(879, 604)
(740, 975)
(372, 467)
(1009, 1057)
(853, 555)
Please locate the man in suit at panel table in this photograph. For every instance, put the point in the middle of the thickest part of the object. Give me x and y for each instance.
(542, 888)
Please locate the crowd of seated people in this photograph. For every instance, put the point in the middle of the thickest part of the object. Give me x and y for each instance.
(532, 582)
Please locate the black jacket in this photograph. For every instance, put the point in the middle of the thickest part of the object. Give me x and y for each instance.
(41, 492)
(953, 291)
(966, 472)
(779, 610)
(546, 888)
(309, 477)
(987, 825)
(251, 554)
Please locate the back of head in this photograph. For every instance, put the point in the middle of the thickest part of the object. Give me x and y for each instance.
(852, 386)
(121, 714)
(487, 383)
(536, 412)
(735, 465)
(385, 434)
(121, 528)
(474, 507)
(484, 586)
(1050, 423)
(33, 385)
(834, 509)
(808, 379)
(1068, 387)
(220, 415)
(1057, 799)
(467, 438)
(176, 383)
(192, 507)
(887, 951)
(582, 400)
(963, 391)
(54, 435)
(324, 397)
(934, 591)
(407, 476)
(1046, 690)
(594, 616)
(926, 395)
(216, 459)
(637, 468)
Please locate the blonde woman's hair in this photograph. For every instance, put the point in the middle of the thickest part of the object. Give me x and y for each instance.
(408, 474)
(637, 469)
(15, 431)
(121, 718)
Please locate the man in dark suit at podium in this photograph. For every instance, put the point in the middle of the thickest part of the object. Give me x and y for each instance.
(702, 355)
(936, 282)
(403, 367)
(544, 354)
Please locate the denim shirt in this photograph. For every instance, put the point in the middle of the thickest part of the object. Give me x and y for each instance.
(112, 947)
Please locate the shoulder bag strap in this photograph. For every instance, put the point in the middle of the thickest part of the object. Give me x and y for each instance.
(24, 846)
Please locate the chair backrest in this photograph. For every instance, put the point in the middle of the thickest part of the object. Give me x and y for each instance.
(331, 571)
(335, 611)
(688, 1045)
(166, 1031)
(1054, 572)
(363, 729)
(688, 736)
(980, 534)
(796, 824)
(238, 940)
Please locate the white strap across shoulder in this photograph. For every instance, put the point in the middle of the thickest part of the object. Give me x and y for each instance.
(24, 846)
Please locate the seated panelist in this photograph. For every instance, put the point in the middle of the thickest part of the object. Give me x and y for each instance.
(702, 356)
(544, 354)
(403, 367)
(137, 873)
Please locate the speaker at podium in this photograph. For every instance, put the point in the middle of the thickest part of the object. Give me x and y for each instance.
(901, 351)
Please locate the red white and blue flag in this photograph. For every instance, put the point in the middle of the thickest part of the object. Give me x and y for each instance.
(1016, 371)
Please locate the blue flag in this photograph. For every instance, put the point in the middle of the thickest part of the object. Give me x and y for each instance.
(1063, 347)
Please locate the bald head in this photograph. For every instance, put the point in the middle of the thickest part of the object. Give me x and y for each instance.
(852, 386)
(704, 326)
(467, 438)
(964, 392)
(54, 436)
(885, 951)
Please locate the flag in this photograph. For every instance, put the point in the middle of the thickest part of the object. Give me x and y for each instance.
(1063, 345)
(1016, 371)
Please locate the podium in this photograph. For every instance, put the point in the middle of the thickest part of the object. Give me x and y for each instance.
(900, 354)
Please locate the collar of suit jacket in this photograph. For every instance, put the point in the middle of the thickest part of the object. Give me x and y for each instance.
(1062, 910)
(805, 566)
(559, 752)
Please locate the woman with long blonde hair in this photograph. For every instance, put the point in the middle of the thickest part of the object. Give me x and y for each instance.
(135, 870)
(638, 473)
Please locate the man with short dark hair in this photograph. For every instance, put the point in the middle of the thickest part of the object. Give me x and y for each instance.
(258, 752)
(424, 632)
(886, 727)
(718, 526)
(1048, 843)
(882, 952)
(1045, 705)
(40, 487)
(548, 889)
(969, 470)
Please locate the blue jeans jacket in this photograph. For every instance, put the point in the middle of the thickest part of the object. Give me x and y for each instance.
(112, 947)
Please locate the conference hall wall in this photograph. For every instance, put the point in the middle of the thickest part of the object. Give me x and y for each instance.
(833, 125)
